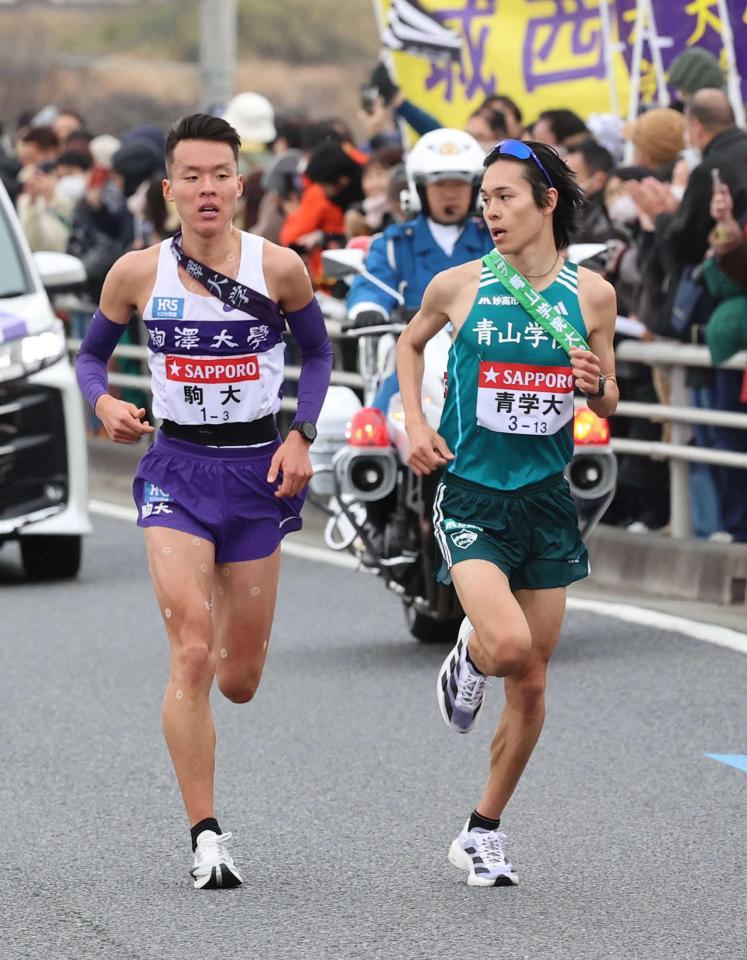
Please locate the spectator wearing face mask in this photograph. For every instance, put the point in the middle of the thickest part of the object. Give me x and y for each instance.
(592, 165)
(49, 197)
(374, 212)
(72, 174)
(45, 216)
(103, 225)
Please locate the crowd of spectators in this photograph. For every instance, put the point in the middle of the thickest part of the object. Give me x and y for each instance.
(666, 196)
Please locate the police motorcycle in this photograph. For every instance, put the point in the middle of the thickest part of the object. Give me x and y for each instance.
(360, 462)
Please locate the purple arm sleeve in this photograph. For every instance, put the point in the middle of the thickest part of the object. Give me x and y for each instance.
(307, 326)
(95, 350)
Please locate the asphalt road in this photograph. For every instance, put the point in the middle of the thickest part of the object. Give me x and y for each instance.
(343, 788)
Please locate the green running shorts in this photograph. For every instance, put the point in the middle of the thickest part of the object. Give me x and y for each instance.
(530, 533)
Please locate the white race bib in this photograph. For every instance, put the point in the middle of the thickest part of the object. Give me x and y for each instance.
(524, 399)
(214, 389)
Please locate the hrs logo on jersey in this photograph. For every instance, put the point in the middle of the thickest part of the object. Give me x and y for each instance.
(168, 308)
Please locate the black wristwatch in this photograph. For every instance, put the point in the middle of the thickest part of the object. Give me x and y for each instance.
(307, 429)
(600, 391)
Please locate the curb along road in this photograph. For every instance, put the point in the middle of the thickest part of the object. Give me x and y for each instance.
(705, 628)
(684, 579)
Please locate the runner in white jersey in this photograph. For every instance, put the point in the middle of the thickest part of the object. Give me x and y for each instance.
(198, 345)
(218, 489)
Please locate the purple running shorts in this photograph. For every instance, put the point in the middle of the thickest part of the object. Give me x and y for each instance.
(219, 493)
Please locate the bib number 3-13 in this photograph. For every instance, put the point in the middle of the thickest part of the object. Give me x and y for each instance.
(521, 398)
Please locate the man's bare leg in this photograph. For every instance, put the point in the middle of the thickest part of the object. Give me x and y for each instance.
(181, 567)
(513, 638)
(524, 713)
(243, 608)
(502, 639)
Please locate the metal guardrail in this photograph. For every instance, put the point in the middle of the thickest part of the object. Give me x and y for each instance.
(661, 353)
(141, 381)
(672, 355)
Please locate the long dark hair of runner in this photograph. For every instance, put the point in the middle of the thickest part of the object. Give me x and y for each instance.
(566, 216)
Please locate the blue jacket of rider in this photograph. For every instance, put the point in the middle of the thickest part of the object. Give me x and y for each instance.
(406, 257)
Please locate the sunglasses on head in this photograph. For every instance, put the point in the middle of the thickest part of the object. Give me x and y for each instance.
(520, 150)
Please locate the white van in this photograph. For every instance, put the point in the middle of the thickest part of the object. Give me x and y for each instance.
(43, 468)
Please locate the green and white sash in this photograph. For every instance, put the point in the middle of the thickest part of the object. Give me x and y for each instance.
(546, 315)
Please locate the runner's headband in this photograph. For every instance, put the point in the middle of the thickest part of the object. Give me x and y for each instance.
(519, 150)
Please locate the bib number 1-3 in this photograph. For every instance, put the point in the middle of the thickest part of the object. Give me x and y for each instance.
(213, 390)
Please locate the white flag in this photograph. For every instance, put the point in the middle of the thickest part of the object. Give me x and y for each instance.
(413, 30)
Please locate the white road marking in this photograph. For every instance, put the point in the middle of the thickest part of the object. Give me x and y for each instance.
(320, 555)
(113, 510)
(706, 632)
(302, 550)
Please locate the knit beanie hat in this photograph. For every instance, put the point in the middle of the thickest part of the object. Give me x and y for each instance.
(694, 69)
(659, 134)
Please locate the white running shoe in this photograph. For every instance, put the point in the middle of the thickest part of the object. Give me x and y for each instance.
(483, 854)
(214, 869)
(460, 689)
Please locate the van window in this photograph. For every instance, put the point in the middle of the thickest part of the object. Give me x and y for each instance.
(14, 279)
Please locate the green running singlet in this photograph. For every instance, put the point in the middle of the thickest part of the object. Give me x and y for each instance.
(508, 415)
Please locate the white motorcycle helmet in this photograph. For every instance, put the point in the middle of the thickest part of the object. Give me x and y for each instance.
(443, 154)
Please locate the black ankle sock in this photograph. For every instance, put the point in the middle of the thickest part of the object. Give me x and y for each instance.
(485, 823)
(473, 664)
(209, 823)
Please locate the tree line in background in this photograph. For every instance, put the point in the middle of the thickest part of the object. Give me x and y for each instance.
(47, 53)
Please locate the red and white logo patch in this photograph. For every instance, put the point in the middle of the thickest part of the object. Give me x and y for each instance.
(212, 370)
(523, 398)
(525, 376)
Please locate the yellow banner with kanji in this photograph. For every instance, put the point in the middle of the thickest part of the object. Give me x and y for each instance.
(544, 54)
(448, 55)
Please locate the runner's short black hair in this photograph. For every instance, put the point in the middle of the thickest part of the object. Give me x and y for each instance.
(565, 218)
(201, 126)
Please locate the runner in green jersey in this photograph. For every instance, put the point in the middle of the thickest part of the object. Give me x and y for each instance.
(528, 329)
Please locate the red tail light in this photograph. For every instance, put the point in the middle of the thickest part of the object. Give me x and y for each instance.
(589, 429)
(368, 429)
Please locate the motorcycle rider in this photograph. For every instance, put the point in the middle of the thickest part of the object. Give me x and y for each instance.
(444, 170)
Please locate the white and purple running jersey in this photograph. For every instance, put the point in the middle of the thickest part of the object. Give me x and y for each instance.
(210, 362)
